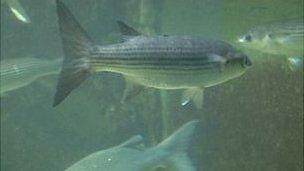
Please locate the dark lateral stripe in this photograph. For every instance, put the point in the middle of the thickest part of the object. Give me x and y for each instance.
(17, 69)
(173, 69)
(137, 55)
(5, 67)
(109, 64)
(151, 48)
(291, 31)
(168, 70)
(159, 63)
(149, 57)
(139, 66)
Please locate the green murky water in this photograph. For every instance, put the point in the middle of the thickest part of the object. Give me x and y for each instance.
(254, 122)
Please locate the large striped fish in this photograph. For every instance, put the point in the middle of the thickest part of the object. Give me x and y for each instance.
(163, 62)
(284, 37)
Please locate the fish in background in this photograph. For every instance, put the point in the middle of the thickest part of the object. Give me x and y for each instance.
(170, 154)
(18, 10)
(162, 62)
(284, 37)
(19, 72)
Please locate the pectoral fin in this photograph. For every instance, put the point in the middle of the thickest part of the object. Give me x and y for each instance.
(217, 58)
(220, 60)
(196, 95)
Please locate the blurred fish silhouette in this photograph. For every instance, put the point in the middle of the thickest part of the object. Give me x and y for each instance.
(18, 10)
(284, 37)
(19, 72)
(171, 154)
(162, 62)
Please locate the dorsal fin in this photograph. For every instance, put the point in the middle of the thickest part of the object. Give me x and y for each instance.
(127, 30)
(133, 142)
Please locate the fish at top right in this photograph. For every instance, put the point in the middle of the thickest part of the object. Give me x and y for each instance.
(284, 37)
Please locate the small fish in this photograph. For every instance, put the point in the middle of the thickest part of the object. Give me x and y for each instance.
(284, 37)
(171, 154)
(295, 63)
(19, 72)
(18, 10)
(162, 62)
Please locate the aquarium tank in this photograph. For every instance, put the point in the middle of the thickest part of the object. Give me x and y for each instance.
(152, 85)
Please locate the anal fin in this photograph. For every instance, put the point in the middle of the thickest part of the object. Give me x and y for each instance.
(196, 95)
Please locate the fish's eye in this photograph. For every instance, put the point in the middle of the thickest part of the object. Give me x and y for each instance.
(269, 35)
(248, 37)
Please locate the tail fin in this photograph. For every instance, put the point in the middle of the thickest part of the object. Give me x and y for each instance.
(76, 46)
(177, 145)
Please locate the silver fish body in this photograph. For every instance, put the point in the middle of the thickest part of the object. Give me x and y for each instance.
(19, 72)
(164, 62)
(132, 155)
(171, 62)
(284, 37)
